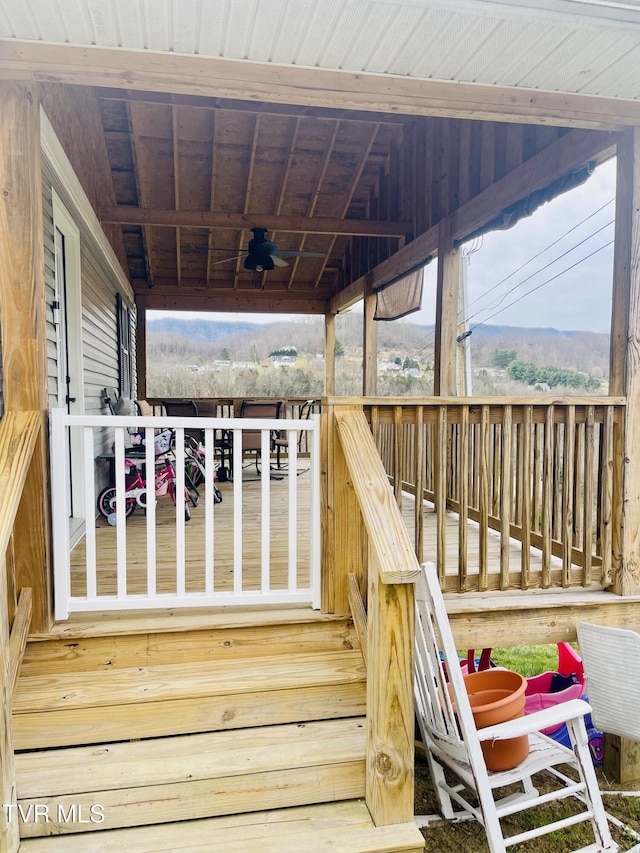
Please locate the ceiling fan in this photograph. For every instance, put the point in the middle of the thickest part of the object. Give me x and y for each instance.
(263, 254)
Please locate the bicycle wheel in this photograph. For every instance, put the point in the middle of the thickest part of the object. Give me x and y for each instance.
(107, 503)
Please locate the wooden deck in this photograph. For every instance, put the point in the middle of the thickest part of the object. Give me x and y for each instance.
(136, 545)
(532, 616)
(452, 540)
(224, 532)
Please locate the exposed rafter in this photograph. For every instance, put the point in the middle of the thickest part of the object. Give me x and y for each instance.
(237, 221)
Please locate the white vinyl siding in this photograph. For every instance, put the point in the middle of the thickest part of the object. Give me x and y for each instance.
(99, 287)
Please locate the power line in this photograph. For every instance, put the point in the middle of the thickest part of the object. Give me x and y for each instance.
(535, 273)
(541, 252)
(544, 283)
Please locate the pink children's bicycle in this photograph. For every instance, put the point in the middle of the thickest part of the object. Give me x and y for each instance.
(136, 487)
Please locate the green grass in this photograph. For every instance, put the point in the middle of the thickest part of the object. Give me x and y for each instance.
(527, 660)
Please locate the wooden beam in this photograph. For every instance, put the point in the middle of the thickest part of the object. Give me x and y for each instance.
(24, 350)
(329, 355)
(571, 151)
(256, 81)
(19, 634)
(625, 363)
(260, 303)
(480, 620)
(265, 109)
(348, 296)
(369, 344)
(126, 215)
(444, 370)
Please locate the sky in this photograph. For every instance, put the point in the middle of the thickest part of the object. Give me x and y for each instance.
(556, 286)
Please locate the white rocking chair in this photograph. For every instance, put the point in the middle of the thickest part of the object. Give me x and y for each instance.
(453, 743)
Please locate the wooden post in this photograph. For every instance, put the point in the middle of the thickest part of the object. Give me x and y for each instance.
(141, 346)
(329, 355)
(370, 343)
(444, 379)
(390, 726)
(625, 365)
(621, 755)
(22, 300)
(342, 543)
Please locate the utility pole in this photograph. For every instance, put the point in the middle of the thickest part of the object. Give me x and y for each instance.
(463, 360)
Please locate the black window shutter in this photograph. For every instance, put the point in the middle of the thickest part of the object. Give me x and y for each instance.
(125, 356)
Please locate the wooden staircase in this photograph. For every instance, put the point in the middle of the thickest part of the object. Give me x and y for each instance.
(233, 737)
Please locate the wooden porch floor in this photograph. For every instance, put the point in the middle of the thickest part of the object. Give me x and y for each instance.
(136, 544)
(224, 526)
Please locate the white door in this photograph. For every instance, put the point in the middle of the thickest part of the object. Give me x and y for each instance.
(68, 324)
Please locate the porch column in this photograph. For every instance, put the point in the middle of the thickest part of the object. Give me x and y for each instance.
(329, 355)
(370, 343)
(141, 346)
(624, 363)
(22, 300)
(444, 371)
(622, 755)
(24, 389)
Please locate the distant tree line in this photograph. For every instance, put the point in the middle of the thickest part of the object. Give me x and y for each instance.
(526, 371)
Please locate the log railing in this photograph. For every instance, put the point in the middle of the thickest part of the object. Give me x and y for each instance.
(18, 437)
(534, 470)
(386, 568)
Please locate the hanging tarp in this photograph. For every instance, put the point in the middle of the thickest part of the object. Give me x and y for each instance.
(526, 206)
(400, 297)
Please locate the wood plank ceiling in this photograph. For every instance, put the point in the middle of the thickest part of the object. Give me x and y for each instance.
(269, 163)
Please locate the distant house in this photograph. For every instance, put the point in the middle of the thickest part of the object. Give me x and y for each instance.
(244, 365)
(283, 360)
(389, 367)
(220, 364)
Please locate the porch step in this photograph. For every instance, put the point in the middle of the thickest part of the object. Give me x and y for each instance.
(106, 705)
(195, 776)
(345, 826)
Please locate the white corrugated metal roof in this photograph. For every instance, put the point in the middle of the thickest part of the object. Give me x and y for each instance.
(573, 46)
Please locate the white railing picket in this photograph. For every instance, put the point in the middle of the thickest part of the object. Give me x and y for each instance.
(121, 507)
(181, 580)
(209, 516)
(90, 502)
(237, 511)
(292, 448)
(315, 579)
(60, 521)
(113, 432)
(150, 461)
(265, 506)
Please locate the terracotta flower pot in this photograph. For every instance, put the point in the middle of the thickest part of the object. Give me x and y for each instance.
(496, 696)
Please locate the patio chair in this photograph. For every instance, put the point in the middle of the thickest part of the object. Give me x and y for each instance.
(611, 658)
(465, 788)
(252, 438)
(281, 440)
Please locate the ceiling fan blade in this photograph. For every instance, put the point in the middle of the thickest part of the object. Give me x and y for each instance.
(225, 260)
(285, 253)
(277, 260)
